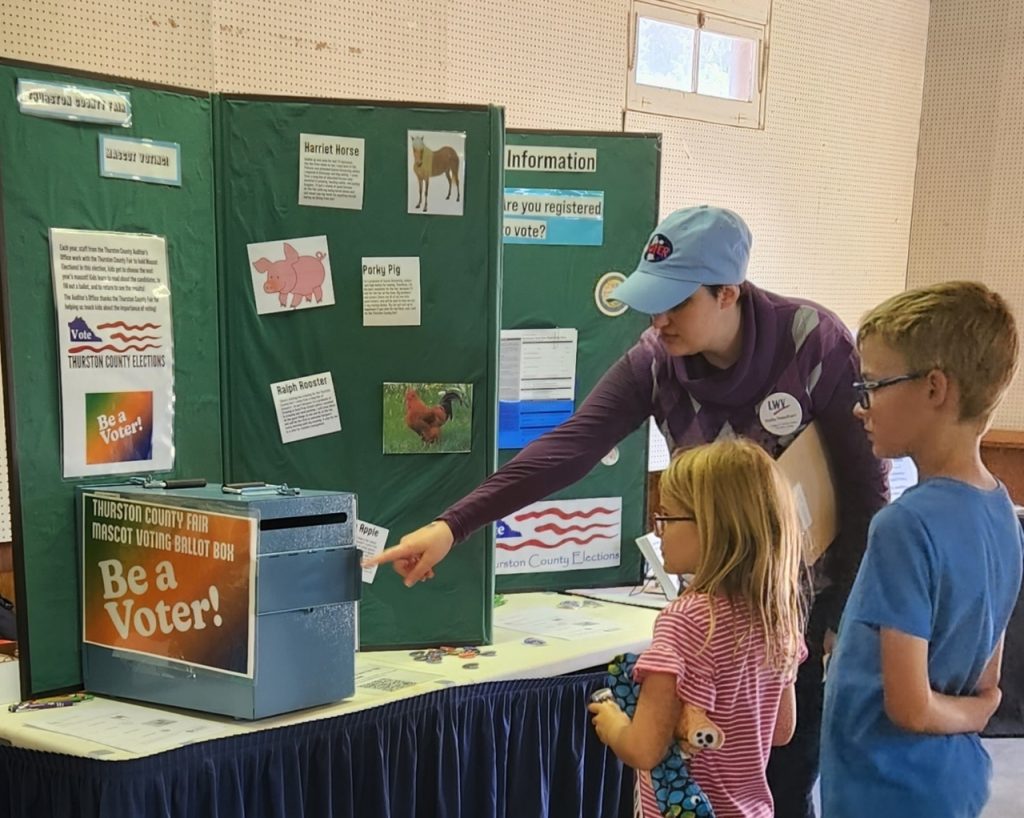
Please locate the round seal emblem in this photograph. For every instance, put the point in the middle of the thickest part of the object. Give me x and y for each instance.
(606, 285)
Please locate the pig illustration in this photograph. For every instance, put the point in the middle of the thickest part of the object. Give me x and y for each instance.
(302, 276)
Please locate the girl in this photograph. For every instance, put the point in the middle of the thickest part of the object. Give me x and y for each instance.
(731, 643)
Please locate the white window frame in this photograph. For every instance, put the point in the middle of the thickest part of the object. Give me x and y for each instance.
(692, 105)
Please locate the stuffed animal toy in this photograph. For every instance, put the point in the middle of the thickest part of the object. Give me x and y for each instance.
(677, 793)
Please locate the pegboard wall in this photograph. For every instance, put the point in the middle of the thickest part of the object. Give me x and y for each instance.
(551, 63)
(354, 49)
(969, 197)
(827, 185)
(162, 41)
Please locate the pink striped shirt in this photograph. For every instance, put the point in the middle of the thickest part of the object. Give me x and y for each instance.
(739, 693)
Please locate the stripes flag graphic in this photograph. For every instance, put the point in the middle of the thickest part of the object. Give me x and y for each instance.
(560, 535)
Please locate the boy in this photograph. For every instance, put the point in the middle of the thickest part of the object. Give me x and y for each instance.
(915, 673)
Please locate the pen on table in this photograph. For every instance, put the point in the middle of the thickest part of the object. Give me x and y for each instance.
(49, 703)
(23, 707)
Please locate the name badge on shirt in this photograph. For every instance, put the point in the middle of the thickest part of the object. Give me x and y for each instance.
(780, 413)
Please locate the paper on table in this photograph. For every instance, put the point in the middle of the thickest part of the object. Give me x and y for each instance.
(379, 678)
(649, 595)
(561, 624)
(125, 726)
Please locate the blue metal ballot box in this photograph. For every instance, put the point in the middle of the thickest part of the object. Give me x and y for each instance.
(241, 604)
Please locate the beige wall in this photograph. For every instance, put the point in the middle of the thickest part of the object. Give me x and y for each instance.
(969, 198)
(827, 186)
(166, 41)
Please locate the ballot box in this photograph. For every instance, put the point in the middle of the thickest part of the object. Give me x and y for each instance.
(242, 603)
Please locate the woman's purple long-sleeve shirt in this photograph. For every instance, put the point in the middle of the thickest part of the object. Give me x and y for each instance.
(789, 345)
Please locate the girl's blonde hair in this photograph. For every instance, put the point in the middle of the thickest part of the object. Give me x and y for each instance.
(751, 540)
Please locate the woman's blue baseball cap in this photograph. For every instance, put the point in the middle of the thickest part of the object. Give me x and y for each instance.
(693, 247)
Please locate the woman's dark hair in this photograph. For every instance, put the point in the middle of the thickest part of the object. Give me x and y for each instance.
(715, 289)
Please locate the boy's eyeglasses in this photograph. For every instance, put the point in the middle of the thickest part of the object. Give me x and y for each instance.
(661, 519)
(865, 388)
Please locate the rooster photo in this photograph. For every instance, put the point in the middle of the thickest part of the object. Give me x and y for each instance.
(427, 418)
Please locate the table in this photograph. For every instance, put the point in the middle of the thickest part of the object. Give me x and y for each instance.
(510, 737)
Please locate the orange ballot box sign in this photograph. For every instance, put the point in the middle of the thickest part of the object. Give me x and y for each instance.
(169, 582)
(807, 467)
(230, 601)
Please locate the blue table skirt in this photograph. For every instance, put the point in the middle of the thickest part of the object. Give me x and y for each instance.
(522, 749)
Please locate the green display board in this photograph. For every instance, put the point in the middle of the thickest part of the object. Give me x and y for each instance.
(240, 186)
(547, 285)
(259, 145)
(49, 177)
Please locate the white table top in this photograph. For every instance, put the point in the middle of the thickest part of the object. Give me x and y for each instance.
(572, 638)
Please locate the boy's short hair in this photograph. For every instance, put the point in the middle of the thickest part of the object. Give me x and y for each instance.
(960, 327)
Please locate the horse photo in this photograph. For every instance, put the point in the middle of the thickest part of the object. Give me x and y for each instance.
(427, 163)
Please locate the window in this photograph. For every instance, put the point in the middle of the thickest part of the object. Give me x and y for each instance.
(699, 64)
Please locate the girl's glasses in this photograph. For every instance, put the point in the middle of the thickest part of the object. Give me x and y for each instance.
(661, 519)
(865, 388)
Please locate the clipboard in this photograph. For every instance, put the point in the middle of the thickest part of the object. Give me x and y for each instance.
(806, 465)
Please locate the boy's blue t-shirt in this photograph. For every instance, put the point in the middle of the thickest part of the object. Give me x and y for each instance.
(943, 563)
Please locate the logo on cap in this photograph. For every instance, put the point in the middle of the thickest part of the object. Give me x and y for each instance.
(659, 249)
